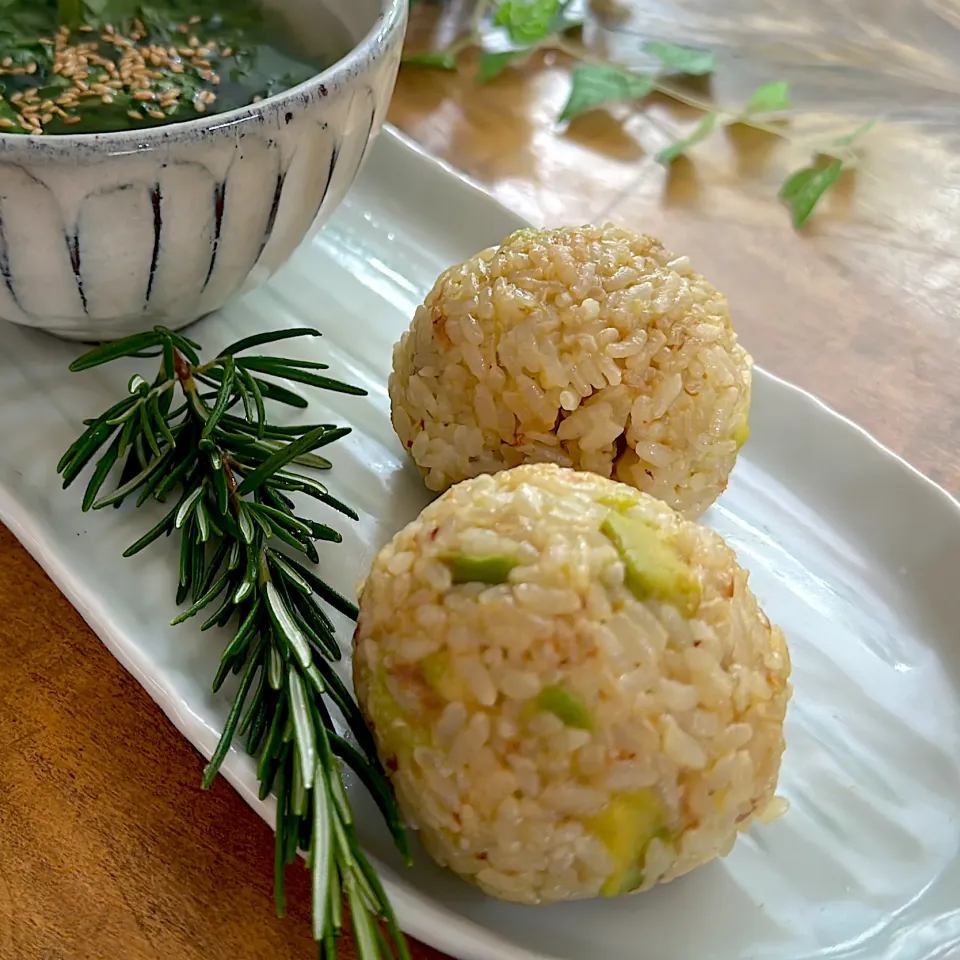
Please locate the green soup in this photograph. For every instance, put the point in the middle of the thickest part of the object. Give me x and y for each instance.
(74, 67)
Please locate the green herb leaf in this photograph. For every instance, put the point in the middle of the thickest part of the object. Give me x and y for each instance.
(493, 64)
(166, 525)
(204, 600)
(271, 391)
(438, 60)
(379, 789)
(703, 130)
(82, 452)
(116, 349)
(770, 98)
(688, 60)
(224, 398)
(280, 368)
(321, 853)
(184, 344)
(595, 85)
(287, 627)
(279, 860)
(306, 443)
(104, 466)
(802, 190)
(258, 339)
(130, 486)
(527, 22)
(305, 737)
(233, 718)
(364, 928)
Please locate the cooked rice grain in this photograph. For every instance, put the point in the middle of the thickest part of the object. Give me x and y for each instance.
(682, 746)
(592, 348)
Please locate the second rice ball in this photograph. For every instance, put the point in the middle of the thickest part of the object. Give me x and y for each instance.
(573, 689)
(590, 347)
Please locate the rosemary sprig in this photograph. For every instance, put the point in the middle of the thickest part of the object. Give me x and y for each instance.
(227, 473)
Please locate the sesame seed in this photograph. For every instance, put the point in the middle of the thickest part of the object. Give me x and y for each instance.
(99, 66)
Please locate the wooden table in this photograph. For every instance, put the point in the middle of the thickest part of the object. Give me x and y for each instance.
(107, 846)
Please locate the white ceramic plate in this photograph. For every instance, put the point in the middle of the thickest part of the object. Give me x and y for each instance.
(852, 551)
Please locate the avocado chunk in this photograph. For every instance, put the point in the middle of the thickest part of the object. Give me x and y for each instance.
(627, 825)
(566, 706)
(438, 671)
(621, 502)
(654, 569)
(472, 569)
(742, 433)
(400, 735)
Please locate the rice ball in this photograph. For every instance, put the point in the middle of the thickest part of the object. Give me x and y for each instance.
(572, 688)
(588, 347)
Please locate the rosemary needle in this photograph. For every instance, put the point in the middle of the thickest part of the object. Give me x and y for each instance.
(230, 472)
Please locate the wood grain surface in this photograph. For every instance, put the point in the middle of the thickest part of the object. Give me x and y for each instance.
(107, 845)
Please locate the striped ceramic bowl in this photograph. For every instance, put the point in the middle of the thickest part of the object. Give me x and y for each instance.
(104, 235)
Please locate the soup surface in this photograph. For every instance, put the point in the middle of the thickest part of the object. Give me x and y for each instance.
(105, 65)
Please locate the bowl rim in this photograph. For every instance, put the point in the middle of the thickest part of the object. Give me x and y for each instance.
(392, 13)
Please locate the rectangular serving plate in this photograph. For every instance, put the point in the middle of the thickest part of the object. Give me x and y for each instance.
(853, 552)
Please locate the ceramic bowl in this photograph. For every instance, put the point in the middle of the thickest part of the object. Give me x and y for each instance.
(103, 235)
